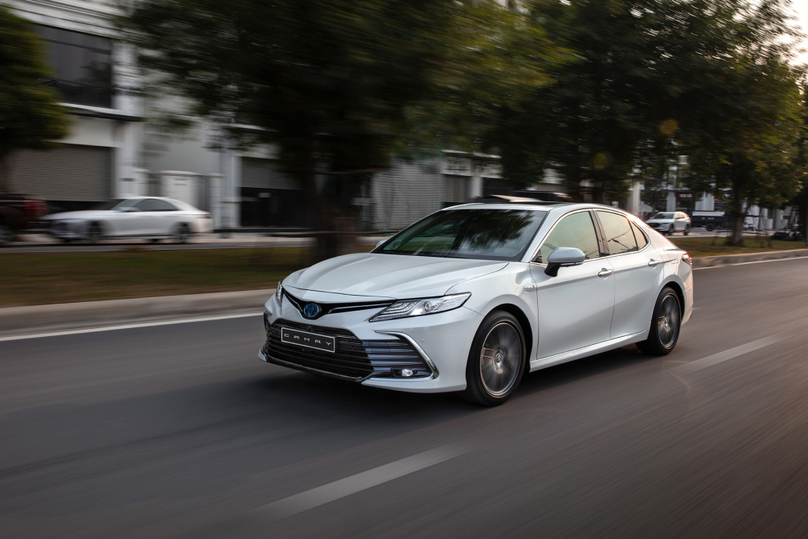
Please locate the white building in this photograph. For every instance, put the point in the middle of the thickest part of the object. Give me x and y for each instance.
(100, 157)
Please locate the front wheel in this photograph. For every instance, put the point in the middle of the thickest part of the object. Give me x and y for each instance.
(5, 233)
(496, 362)
(665, 325)
(94, 233)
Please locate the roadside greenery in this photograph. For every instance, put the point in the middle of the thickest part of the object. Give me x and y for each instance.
(696, 93)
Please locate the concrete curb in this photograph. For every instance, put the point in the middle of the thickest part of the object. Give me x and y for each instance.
(21, 320)
(43, 318)
(723, 260)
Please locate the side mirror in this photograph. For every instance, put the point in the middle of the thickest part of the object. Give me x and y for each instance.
(563, 257)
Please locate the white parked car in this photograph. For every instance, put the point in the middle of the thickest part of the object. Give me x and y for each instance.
(135, 217)
(669, 222)
(472, 297)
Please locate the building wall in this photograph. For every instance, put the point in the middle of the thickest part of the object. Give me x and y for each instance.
(101, 155)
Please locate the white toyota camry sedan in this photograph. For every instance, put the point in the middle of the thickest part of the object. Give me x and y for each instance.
(472, 297)
(134, 217)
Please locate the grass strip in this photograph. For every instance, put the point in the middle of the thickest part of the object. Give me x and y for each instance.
(714, 246)
(47, 278)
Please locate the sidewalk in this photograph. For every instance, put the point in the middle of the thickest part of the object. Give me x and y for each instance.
(45, 318)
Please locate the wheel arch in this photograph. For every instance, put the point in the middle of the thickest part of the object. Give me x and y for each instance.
(678, 289)
(103, 226)
(524, 322)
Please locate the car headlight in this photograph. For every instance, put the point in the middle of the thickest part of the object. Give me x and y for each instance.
(279, 291)
(417, 307)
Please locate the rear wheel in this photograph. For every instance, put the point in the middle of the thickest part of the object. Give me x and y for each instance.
(182, 233)
(496, 362)
(665, 325)
(709, 227)
(687, 230)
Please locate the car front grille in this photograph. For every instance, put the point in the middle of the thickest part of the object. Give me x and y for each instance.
(353, 359)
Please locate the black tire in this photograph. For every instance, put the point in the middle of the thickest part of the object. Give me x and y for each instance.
(709, 227)
(666, 324)
(182, 233)
(496, 361)
(6, 233)
(94, 233)
(687, 230)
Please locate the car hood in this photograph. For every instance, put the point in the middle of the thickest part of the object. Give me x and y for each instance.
(389, 276)
(86, 214)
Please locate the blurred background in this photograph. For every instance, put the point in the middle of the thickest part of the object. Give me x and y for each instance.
(364, 116)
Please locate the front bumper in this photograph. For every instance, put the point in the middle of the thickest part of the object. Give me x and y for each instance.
(441, 342)
(67, 230)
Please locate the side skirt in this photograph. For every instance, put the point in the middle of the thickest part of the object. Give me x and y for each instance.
(578, 353)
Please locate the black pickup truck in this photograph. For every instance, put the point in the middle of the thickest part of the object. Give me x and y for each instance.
(19, 212)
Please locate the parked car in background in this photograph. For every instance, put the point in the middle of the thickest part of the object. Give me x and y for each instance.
(152, 218)
(18, 213)
(710, 220)
(670, 222)
(472, 297)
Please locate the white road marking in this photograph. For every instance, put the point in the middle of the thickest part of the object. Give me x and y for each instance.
(149, 324)
(720, 357)
(754, 262)
(353, 484)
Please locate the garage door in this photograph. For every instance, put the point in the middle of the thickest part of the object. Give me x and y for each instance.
(72, 173)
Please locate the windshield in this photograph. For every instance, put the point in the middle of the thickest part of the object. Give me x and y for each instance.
(115, 203)
(476, 233)
(663, 216)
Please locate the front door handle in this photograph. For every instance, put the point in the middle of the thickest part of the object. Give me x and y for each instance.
(653, 263)
(605, 272)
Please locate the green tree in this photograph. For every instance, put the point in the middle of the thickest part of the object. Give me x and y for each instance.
(800, 200)
(745, 141)
(30, 114)
(338, 85)
(653, 80)
(608, 108)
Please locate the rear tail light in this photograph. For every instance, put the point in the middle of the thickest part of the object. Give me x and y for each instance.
(687, 259)
(34, 210)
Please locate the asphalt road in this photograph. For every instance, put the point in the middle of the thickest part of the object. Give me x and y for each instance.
(180, 431)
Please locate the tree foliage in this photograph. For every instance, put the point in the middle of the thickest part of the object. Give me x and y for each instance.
(653, 80)
(30, 115)
(339, 85)
(745, 142)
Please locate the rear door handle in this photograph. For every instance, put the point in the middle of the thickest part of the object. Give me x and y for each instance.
(605, 272)
(653, 263)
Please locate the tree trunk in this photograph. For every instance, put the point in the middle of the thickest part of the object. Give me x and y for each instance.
(334, 227)
(737, 217)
